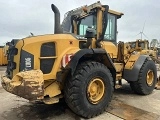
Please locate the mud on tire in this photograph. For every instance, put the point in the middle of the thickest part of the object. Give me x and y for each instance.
(76, 89)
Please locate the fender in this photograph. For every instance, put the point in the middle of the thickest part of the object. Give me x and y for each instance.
(132, 74)
(76, 58)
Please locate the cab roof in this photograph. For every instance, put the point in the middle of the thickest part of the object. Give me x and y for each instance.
(118, 14)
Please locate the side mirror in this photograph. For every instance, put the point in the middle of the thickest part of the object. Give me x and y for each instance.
(90, 33)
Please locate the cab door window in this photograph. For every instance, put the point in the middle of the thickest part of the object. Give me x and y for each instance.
(110, 33)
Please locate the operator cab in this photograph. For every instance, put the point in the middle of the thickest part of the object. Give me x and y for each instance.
(140, 44)
(78, 20)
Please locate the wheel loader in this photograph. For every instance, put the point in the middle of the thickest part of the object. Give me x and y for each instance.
(143, 47)
(3, 58)
(81, 62)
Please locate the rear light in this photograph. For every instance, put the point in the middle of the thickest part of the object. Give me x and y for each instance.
(65, 60)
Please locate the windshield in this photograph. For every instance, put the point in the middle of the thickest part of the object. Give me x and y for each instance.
(89, 21)
(82, 24)
(133, 44)
(142, 45)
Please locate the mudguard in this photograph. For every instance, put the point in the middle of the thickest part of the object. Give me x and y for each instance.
(75, 59)
(132, 74)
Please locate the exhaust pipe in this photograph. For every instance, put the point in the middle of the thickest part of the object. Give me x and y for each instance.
(57, 26)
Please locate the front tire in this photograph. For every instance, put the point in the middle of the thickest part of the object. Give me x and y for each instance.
(90, 90)
(146, 80)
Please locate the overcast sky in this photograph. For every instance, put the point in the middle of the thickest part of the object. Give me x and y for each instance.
(20, 17)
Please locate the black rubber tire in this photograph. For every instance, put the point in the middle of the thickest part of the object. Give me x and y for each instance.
(140, 86)
(75, 90)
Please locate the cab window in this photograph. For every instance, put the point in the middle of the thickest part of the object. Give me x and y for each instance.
(110, 33)
(89, 21)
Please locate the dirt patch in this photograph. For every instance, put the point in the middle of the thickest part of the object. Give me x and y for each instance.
(35, 111)
(127, 112)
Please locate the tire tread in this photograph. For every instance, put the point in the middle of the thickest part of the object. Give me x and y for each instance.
(69, 90)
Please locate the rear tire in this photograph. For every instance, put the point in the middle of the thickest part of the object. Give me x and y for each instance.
(90, 90)
(147, 79)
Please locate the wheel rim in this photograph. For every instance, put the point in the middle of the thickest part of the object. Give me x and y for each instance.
(150, 78)
(95, 90)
